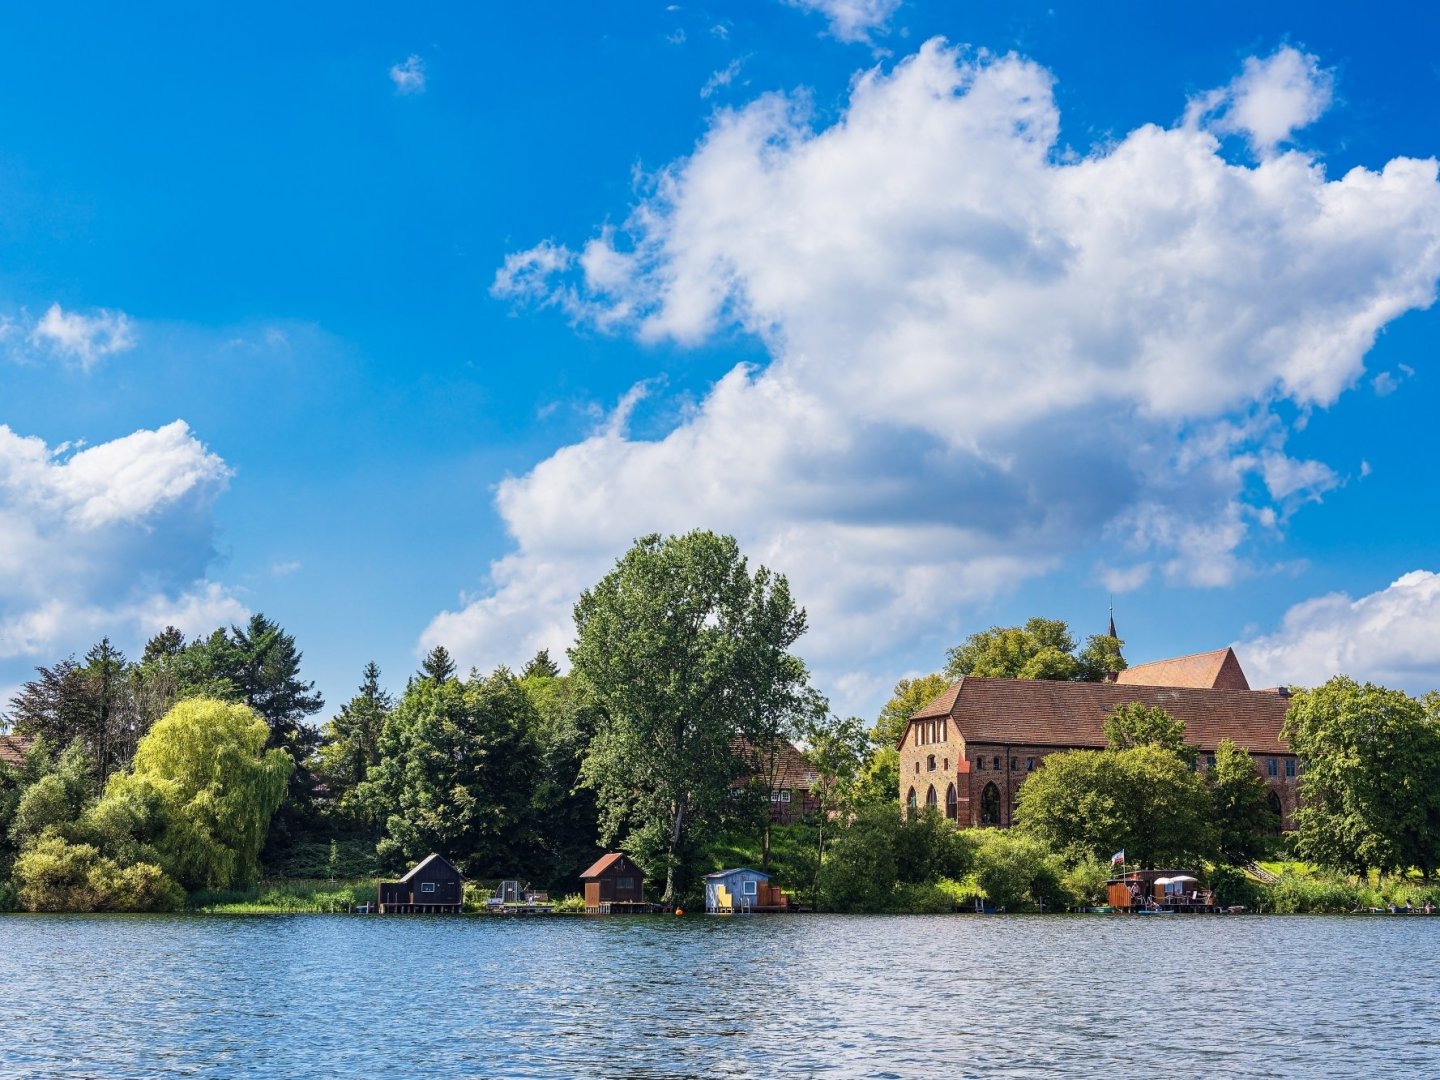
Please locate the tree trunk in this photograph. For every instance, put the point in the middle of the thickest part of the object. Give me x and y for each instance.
(677, 820)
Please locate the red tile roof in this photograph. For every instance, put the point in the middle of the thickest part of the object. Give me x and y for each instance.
(603, 863)
(1036, 712)
(1217, 670)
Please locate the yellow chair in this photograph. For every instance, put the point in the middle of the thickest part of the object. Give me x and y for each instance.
(724, 904)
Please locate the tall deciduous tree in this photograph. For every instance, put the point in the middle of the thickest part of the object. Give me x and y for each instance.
(1137, 724)
(455, 775)
(1368, 797)
(1243, 817)
(1145, 800)
(683, 648)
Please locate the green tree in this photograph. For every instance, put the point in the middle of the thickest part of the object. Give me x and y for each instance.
(1145, 800)
(566, 832)
(837, 750)
(55, 799)
(206, 766)
(1137, 724)
(54, 874)
(908, 698)
(455, 775)
(541, 667)
(438, 666)
(1041, 649)
(1244, 820)
(878, 851)
(1368, 797)
(682, 648)
(350, 742)
(1016, 871)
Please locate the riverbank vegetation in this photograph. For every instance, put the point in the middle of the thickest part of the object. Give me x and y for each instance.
(196, 778)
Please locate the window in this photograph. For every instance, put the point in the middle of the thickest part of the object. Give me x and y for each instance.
(910, 801)
(1272, 767)
(774, 796)
(624, 883)
(990, 805)
(947, 764)
(747, 888)
(917, 767)
(1290, 766)
(1029, 764)
(996, 762)
(952, 803)
(1209, 761)
(930, 799)
(942, 730)
(427, 886)
(930, 763)
(785, 795)
(980, 763)
(1014, 764)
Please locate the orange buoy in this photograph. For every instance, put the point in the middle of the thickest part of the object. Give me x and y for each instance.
(679, 911)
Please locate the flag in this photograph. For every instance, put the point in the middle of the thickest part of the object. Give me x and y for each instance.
(1118, 859)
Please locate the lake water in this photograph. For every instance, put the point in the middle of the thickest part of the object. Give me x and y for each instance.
(123, 996)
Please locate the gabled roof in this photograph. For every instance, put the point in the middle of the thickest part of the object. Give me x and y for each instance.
(605, 862)
(1038, 712)
(428, 861)
(737, 870)
(1217, 670)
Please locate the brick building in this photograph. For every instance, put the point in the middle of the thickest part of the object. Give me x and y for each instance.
(968, 752)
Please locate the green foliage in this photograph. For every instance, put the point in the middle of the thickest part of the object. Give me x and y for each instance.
(350, 744)
(1244, 820)
(438, 666)
(205, 768)
(573, 904)
(344, 859)
(54, 799)
(881, 851)
(540, 667)
(1144, 800)
(1231, 886)
(565, 833)
(1137, 724)
(687, 655)
(1085, 880)
(1041, 649)
(289, 897)
(457, 761)
(1018, 872)
(1368, 792)
(53, 874)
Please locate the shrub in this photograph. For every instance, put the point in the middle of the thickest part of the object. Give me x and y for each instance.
(1232, 886)
(1018, 872)
(54, 875)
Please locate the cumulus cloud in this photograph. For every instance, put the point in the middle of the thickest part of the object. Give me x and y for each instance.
(1268, 101)
(852, 20)
(409, 75)
(1386, 637)
(109, 539)
(983, 356)
(86, 339)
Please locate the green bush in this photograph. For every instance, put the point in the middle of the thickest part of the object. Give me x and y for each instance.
(1231, 886)
(1019, 872)
(570, 904)
(54, 875)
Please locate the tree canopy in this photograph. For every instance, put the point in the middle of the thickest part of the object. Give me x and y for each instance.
(687, 654)
(1041, 649)
(1137, 724)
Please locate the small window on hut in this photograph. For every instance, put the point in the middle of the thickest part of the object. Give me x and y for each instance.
(427, 886)
(747, 888)
(624, 883)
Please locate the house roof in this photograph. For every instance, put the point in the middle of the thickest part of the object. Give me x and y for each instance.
(1037, 712)
(605, 862)
(13, 749)
(791, 768)
(428, 861)
(1217, 670)
(737, 870)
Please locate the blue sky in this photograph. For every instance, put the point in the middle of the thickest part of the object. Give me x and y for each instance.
(398, 325)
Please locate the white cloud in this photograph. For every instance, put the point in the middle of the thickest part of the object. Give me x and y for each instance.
(1388, 637)
(284, 569)
(722, 78)
(409, 75)
(83, 338)
(983, 358)
(1268, 101)
(114, 538)
(852, 20)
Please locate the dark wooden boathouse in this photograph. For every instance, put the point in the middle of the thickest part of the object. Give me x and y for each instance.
(432, 887)
(614, 886)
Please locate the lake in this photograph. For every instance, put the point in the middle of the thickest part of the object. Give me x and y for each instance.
(823, 995)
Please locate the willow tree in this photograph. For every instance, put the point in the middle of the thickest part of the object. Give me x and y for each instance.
(687, 654)
(205, 762)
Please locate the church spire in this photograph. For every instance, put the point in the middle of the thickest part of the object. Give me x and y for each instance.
(1112, 618)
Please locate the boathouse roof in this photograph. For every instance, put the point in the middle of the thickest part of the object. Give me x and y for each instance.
(604, 864)
(429, 861)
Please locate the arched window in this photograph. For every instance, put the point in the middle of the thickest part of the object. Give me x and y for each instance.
(930, 799)
(910, 802)
(990, 805)
(1274, 801)
(929, 762)
(952, 803)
